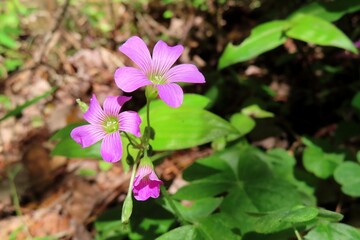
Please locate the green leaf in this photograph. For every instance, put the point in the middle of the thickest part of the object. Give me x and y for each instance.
(19, 109)
(329, 11)
(198, 209)
(187, 232)
(263, 38)
(284, 219)
(315, 30)
(7, 41)
(256, 112)
(355, 102)
(184, 127)
(348, 175)
(329, 216)
(87, 172)
(244, 124)
(190, 100)
(333, 231)
(219, 226)
(5, 101)
(69, 148)
(320, 163)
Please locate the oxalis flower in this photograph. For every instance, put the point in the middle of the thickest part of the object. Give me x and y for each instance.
(156, 70)
(146, 183)
(105, 125)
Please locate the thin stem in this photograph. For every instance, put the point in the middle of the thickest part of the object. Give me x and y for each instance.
(132, 141)
(298, 236)
(169, 199)
(148, 112)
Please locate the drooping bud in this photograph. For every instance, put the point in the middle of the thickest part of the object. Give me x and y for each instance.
(146, 183)
(127, 209)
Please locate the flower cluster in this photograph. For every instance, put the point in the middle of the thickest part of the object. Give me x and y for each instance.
(154, 71)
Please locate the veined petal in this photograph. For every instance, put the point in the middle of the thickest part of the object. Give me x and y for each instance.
(111, 147)
(87, 135)
(171, 94)
(185, 73)
(129, 121)
(136, 49)
(95, 114)
(129, 79)
(113, 104)
(164, 57)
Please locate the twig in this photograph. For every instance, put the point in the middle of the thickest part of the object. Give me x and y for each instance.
(49, 36)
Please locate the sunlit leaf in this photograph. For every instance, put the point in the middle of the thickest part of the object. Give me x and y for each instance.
(263, 38)
(333, 231)
(330, 11)
(316, 30)
(348, 175)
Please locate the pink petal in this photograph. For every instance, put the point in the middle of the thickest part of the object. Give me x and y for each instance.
(111, 147)
(146, 184)
(136, 49)
(87, 135)
(113, 104)
(171, 94)
(130, 122)
(164, 57)
(185, 73)
(129, 79)
(95, 114)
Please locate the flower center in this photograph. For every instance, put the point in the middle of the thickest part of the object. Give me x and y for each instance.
(157, 79)
(111, 124)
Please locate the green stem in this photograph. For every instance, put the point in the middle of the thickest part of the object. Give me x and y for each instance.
(148, 112)
(132, 141)
(170, 200)
(298, 236)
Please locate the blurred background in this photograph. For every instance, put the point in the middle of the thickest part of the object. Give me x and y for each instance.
(56, 51)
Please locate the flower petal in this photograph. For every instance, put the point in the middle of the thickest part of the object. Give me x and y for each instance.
(136, 49)
(130, 122)
(129, 79)
(95, 114)
(111, 147)
(146, 184)
(87, 135)
(113, 104)
(185, 73)
(164, 57)
(171, 94)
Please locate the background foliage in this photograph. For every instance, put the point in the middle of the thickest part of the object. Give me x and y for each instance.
(279, 113)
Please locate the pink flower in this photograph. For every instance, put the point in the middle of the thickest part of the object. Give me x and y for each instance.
(105, 124)
(146, 183)
(156, 70)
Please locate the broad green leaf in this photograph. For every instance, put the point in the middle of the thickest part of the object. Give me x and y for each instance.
(320, 163)
(315, 30)
(329, 11)
(219, 226)
(190, 100)
(198, 209)
(355, 102)
(69, 148)
(329, 216)
(19, 109)
(256, 112)
(348, 175)
(284, 219)
(184, 127)
(333, 231)
(187, 232)
(243, 123)
(263, 38)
